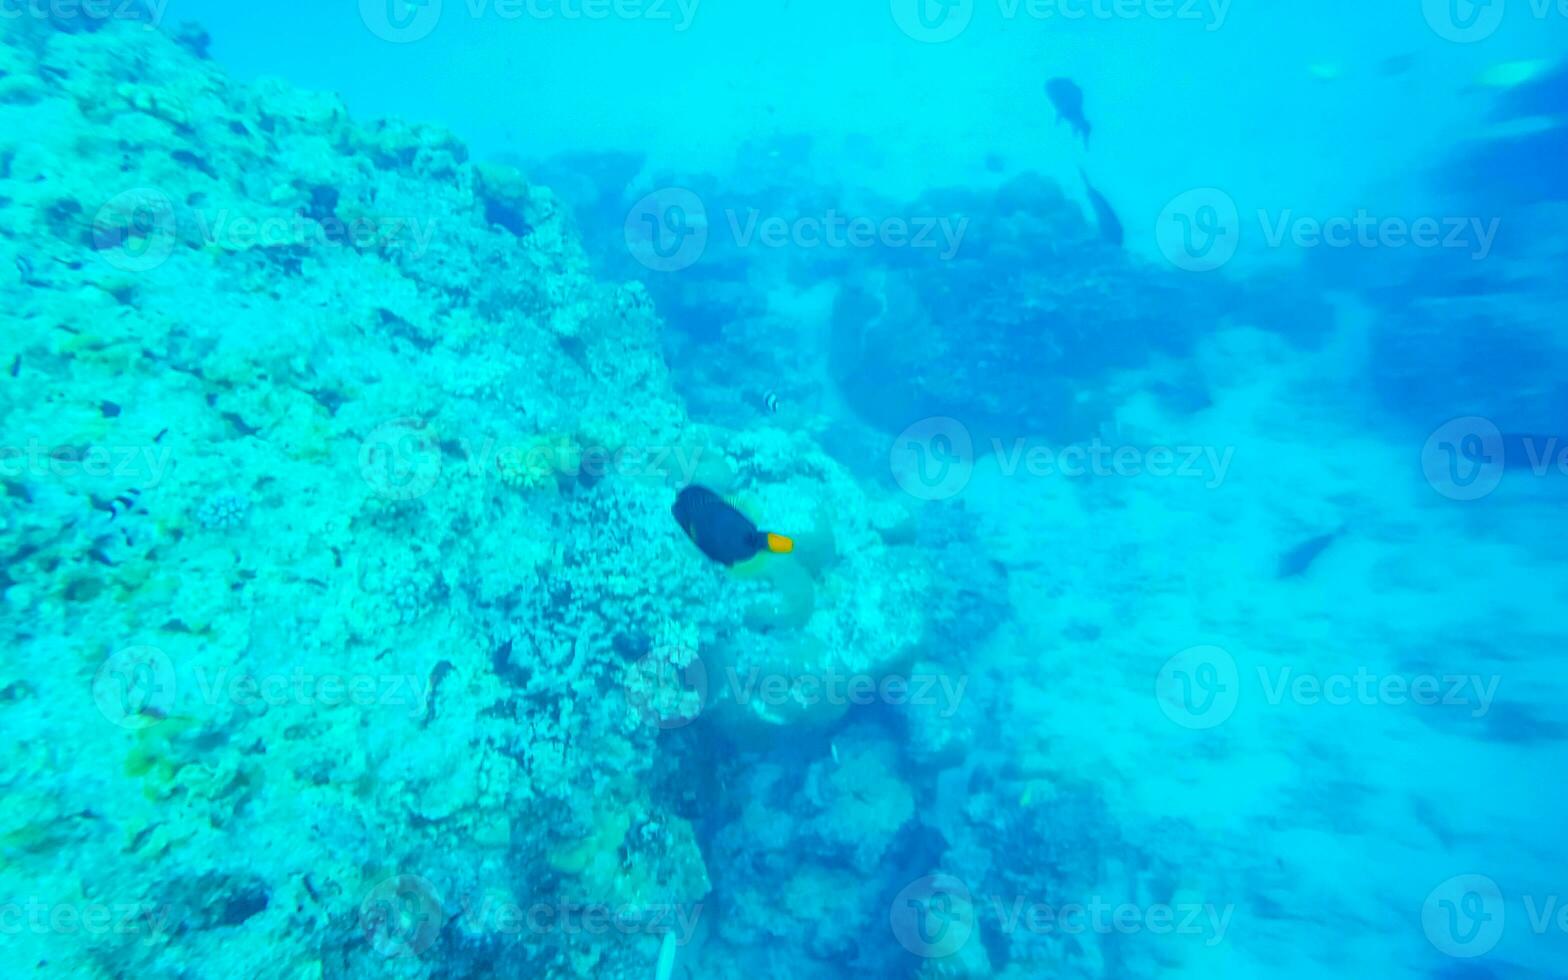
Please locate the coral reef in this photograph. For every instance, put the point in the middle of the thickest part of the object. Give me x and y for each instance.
(341, 484)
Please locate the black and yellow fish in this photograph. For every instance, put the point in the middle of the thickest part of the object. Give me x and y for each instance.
(721, 531)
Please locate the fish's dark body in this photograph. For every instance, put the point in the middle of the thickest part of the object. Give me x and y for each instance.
(1067, 97)
(716, 527)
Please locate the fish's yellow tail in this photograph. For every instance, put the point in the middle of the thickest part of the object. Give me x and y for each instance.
(780, 545)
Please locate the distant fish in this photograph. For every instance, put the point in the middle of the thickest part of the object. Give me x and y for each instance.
(1297, 560)
(770, 401)
(1326, 71)
(1512, 74)
(1396, 65)
(1067, 97)
(1110, 225)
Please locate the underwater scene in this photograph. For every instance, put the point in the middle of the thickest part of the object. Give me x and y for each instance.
(669, 489)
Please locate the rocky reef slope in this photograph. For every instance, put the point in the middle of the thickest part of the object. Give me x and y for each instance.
(346, 623)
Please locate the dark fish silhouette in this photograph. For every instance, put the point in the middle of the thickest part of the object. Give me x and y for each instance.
(1110, 225)
(1068, 99)
(720, 530)
(1300, 558)
(1396, 65)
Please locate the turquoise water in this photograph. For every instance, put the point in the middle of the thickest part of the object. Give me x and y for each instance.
(1158, 409)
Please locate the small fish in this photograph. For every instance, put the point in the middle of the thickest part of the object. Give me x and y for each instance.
(1512, 74)
(1110, 225)
(770, 401)
(1300, 558)
(115, 506)
(1326, 72)
(721, 531)
(1396, 65)
(1067, 97)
